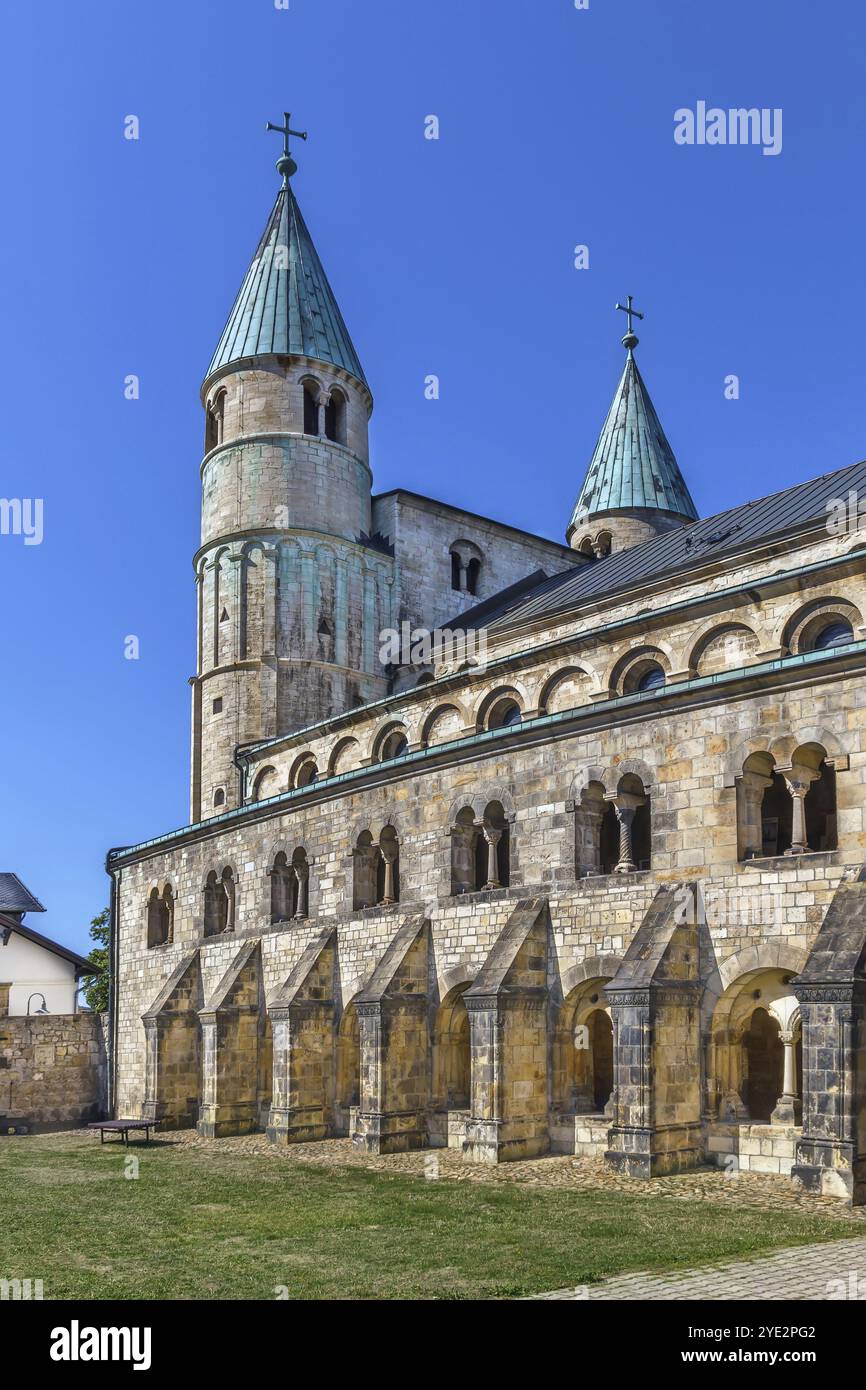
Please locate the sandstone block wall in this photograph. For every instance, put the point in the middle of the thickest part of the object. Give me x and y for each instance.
(52, 1070)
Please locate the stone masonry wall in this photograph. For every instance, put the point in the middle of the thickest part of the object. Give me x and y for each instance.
(52, 1070)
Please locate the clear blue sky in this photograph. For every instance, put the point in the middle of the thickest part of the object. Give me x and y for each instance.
(452, 257)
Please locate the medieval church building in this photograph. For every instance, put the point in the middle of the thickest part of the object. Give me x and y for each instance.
(601, 893)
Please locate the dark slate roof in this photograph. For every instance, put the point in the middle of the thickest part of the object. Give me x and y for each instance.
(14, 897)
(633, 464)
(688, 546)
(84, 966)
(285, 304)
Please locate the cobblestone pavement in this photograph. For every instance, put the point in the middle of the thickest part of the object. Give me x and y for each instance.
(809, 1273)
(562, 1171)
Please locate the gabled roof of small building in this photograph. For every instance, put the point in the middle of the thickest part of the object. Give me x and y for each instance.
(633, 465)
(686, 547)
(14, 897)
(83, 966)
(285, 304)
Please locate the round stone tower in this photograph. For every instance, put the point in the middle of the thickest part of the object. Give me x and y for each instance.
(291, 592)
(633, 489)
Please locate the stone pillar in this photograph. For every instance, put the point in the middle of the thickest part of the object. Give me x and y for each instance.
(302, 874)
(655, 1006)
(394, 1022)
(172, 1084)
(303, 1017)
(492, 836)
(626, 804)
(798, 781)
(231, 1030)
(508, 1021)
(304, 1069)
(784, 1112)
(4, 1000)
(389, 855)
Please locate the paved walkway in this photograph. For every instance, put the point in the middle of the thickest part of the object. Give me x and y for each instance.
(808, 1273)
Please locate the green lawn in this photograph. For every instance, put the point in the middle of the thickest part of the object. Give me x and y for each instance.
(216, 1224)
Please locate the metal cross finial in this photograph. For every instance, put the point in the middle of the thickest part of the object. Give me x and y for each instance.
(632, 313)
(285, 164)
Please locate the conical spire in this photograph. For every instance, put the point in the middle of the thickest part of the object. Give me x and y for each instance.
(633, 468)
(285, 304)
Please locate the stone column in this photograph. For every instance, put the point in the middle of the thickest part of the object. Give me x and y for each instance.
(492, 836)
(626, 804)
(464, 576)
(389, 855)
(784, 1112)
(320, 428)
(302, 874)
(798, 781)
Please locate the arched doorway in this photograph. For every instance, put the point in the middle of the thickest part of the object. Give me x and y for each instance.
(583, 1052)
(452, 1068)
(348, 1068)
(754, 1062)
(764, 1066)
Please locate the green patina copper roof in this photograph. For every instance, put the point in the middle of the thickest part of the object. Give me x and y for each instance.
(633, 465)
(285, 304)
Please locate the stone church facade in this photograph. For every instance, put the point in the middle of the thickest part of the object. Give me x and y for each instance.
(601, 892)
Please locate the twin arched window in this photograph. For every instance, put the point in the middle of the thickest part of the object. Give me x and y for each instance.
(465, 567)
(290, 880)
(214, 430)
(328, 417)
(480, 850)
(219, 902)
(376, 869)
(160, 917)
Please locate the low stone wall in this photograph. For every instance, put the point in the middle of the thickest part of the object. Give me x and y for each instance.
(753, 1148)
(52, 1071)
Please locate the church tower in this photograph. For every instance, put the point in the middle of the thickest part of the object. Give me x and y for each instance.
(292, 593)
(633, 489)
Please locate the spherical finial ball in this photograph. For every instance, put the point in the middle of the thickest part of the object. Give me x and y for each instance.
(286, 166)
(630, 341)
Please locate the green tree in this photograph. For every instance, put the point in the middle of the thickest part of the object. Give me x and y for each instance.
(96, 992)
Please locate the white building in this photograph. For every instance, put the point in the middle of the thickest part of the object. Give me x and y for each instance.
(37, 975)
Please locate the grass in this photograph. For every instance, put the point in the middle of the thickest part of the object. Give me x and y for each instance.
(216, 1224)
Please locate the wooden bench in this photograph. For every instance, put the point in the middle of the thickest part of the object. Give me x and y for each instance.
(123, 1128)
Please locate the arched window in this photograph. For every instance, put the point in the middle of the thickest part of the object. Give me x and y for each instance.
(219, 901)
(215, 422)
(791, 810)
(834, 634)
(160, 916)
(219, 797)
(281, 889)
(492, 849)
(463, 836)
(388, 868)
(335, 418)
(365, 856)
(307, 774)
(504, 714)
(394, 746)
(613, 833)
(651, 679)
(311, 411)
(465, 567)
